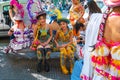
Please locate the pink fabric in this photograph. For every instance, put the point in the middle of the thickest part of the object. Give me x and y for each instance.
(84, 77)
(110, 43)
(112, 3)
(100, 60)
(99, 44)
(19, 6)
(103, 73)
(81, 54)
(114, 14)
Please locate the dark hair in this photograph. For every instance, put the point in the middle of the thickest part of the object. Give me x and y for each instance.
(77, 26)
(11, 6)
(44, 15)
(93, 7)
(55, 20)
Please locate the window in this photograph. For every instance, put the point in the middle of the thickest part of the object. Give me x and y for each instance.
(6, 7)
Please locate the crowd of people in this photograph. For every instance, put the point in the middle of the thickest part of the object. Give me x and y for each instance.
(96, 45)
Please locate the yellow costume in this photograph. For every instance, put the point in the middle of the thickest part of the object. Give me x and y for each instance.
(76, 13)
(66, 52)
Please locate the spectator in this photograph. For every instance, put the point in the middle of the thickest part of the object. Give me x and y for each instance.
(79, 34)
(54, 13)
(92, 9)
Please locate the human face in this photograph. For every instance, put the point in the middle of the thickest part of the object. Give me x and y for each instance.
(63, 25)
(42, 20)
(75, 1)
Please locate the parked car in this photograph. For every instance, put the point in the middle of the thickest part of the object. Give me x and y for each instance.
(4, 18)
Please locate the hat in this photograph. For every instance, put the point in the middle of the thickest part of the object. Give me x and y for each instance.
(18, 17)
(112, 3)
(42, 12)
(63, 20)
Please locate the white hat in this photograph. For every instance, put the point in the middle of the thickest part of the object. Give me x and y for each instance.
(18, 17)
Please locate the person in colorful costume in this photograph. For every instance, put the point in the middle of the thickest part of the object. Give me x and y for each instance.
(76, 12)
(12, 11)
(54, 12)
(42, 38)
(64, 41)
(21, 33)
(15, 8)
(105, 57)
(32, 15)
(80, 38)
(55, 28)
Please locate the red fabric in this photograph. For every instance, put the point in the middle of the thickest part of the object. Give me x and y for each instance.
(106, 74)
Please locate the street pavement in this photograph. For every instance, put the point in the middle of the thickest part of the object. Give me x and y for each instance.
(14, 67)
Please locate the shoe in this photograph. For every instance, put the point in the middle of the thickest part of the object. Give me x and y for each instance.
(71, 66)
(39, 67)
(71, 70)
(47, 67)
(64, 70)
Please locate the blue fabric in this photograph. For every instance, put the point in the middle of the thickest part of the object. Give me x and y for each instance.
(77, 70)
(52, 18)
(54, 32)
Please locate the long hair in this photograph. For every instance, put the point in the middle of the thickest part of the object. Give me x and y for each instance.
(93, 7)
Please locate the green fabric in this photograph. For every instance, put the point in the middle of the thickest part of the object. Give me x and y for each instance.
(63, 20)
(43, 35)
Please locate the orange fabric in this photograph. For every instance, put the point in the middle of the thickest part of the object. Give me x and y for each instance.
(74, 33)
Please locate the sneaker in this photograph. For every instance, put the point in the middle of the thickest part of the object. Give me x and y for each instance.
(64, 70)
